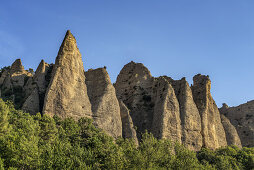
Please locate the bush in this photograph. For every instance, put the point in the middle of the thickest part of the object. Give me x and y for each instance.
(42, 142)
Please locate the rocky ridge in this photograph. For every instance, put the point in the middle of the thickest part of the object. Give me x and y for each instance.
(136, 103)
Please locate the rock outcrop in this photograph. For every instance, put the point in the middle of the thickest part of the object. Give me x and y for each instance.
(105, 106)
(66, 95)
(35, 88)
(212, 130)
(136, 103)
(231, 133)
(166, 115)
(12, 83)
(152, 103)
(190, 117)
(128, 128)
(134, 88)
(242, 117)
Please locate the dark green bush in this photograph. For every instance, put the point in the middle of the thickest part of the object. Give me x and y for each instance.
(42, 142)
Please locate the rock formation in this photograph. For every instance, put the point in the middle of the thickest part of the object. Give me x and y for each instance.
(128, 128)
(138, 102)
(12, 83)
(166, 116)
(66, 95)
(231, 133)
(190, 118)
(152, 103)
(134, 88)
(212, 130)
(242, 117)
(35, 88)
(105, 106)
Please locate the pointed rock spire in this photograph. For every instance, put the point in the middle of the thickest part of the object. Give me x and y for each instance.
(17, 66)
(213, 133)
(66, 95)
(190, 118)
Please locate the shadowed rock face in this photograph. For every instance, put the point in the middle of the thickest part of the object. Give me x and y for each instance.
(129, 131)
(242, 117)
(35, 89)
(231, 133)
(134, 88)
(105, 106)
(152, 103)
(212, 130)
(66, 95)
(190, 118)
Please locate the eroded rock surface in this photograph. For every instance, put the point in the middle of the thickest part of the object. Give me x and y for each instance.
(128, 128)
(166, 117)
(105, 106)
(231, 133)
(12, 82)
(190, 117)
(242, 117)
(212, 130)
(66, 95)
(152, 103)
(134, 87)
(37, 84)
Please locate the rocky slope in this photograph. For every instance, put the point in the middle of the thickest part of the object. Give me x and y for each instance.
(136, 103)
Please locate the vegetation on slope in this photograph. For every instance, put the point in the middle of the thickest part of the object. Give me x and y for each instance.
(41, 142)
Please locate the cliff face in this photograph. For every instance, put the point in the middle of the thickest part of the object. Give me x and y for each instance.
(105, 106)
(212, 130)
(242, 117)
(189, 114)
(66, 95)
(138, 102)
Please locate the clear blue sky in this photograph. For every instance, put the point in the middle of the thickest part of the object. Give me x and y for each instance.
(178, 38)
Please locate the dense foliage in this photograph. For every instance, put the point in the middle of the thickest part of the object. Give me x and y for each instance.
(41, 142)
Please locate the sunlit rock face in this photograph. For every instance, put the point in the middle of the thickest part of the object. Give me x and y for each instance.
(105, 106)
(12, 81)
(66, 95)
(136, 103)
(212, 130)
(35, 88)
(242, 117)
(189, 114)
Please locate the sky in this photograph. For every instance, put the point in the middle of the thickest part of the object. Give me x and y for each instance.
(177, 38)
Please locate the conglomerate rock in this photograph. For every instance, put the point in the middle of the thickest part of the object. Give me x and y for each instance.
(231, 133)
(134, 87)
(152, 103)
(212, 130)
(105, 106)
(35, 88)
(128, 128)
(166, 116)
(190, 118)
(242, 117)
(66, 95)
